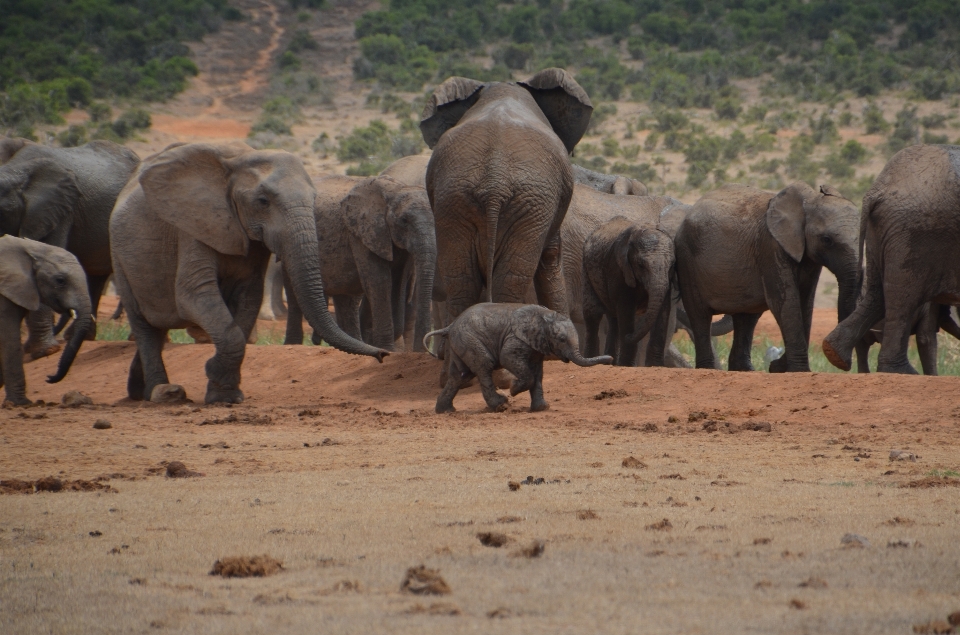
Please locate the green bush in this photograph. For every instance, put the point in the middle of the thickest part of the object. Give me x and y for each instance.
(799, 165)
(643, 172)
(823, 130)
(72, 137)
(668, 120)
(853, 152)
(727, 108)
(934, 121)
(270, 123)
(766, 166)
(515, 56)
(650, 143)
(756, 113)
(600, 114)
(873, 120)
(906, 130)
(302, 40)
(929, 137)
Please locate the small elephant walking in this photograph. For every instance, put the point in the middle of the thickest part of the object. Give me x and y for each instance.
(33, 274)
(516, 337)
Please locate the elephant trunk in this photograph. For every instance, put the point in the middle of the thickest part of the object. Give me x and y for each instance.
(574, 356)
(658, 288)
(425, 266)
(84, 322)
(848, 281)
(300, 259)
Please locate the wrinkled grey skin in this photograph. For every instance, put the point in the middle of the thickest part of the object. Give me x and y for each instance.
(589, 209)
(63, 197)
(192, 233)
(609, 183)
(627, 269)
(376, 240)
(909, 232)
(743, 251)
(930, 319)
(500, 181)
(515, 337)
(31, 274)
(411, 170)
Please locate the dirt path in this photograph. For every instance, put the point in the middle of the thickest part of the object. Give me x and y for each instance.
(338, 467)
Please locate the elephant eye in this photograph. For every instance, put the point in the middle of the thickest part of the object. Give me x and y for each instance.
(60, 280)
(263, 200)
(827, 240)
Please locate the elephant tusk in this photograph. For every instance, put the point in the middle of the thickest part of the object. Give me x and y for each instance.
(73, 314)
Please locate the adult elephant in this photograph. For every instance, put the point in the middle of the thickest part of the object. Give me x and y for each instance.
(909, 233)
(609, 183)
(499, 183)
(63, 197)
(192, 233)
(410, 170)
(743, 251)
(929, 320)
(376, 238)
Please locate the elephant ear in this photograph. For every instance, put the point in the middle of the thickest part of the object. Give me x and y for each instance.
(51, 195)
(786, 219)
(9, 146)
(364, 212)
(449, 102)
(564, 103)
(17, 282)
(186, 186)
(621, 251)
(533, 324)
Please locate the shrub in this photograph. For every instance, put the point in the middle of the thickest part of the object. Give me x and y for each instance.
(823, 130)
(766, 166)
(270, 123)
(600, 114)
(514, 56)
(668, 120)
(756, 114)
(650, 143)
(99, 112)
(905, 130)
(838, 167)
(363, 143)
(727, 108)
(289, 61)
(933, 121)
(853, 152)
(643, 172)
(929, 137)
(302, 40)
(873, 120)
(734, 145)
(73, 136)
(799, 166)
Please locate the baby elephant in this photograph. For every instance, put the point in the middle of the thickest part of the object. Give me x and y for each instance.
(31, 274)
(515, 337)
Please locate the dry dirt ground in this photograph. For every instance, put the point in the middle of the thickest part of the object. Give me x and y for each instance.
(660, 510)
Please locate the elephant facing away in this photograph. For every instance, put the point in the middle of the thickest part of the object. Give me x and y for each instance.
(627, 269)
(930, 319)
(499, 183)
(743, 251)
(909, 233)
(515, 337)
(63, 197)
(376, 239)
(32, 273)
(192, 233)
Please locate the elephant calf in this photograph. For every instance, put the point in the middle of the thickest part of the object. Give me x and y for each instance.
(627, 268)
(31, 274)
(515, 337)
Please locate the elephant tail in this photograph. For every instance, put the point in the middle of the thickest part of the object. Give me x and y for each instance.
(493, 215)
(437, 333)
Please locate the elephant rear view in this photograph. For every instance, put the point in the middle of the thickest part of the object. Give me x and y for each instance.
(500, 181)
(191, 236)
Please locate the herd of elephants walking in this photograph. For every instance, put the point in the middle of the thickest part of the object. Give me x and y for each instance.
(496, 237)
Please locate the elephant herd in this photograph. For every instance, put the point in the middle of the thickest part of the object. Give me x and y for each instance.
(497, 219)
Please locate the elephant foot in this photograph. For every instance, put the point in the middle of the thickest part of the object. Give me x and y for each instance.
(498, 404)
(444, 408)
(539, 406)
(17, 400)
(743, 367)
(778, 365)
(903, 368)
(37, 350)
(834, 357)
(220, 394)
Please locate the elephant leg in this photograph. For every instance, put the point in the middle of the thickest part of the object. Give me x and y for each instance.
(785, 303)
(529, 376)
(462, 279)
(700, 324)
(673, 358)
(40, 339)
(377, 280)
(548, 279)
(612, 341)
(926, 334)
(484, 372)
(244, 303)
(838, 345)
(743, 327)
(200, 301)
(146, 370)
(455, 370)
(294, 334)
(398, 304)
(347, 311)
(592, 314)
(863, 352)
(627, 353)
(11, 354)
(903, 297)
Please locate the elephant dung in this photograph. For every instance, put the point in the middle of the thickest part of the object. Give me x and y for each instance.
(423, 581)
(102, 424)
(75, 399)
(168, 393)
